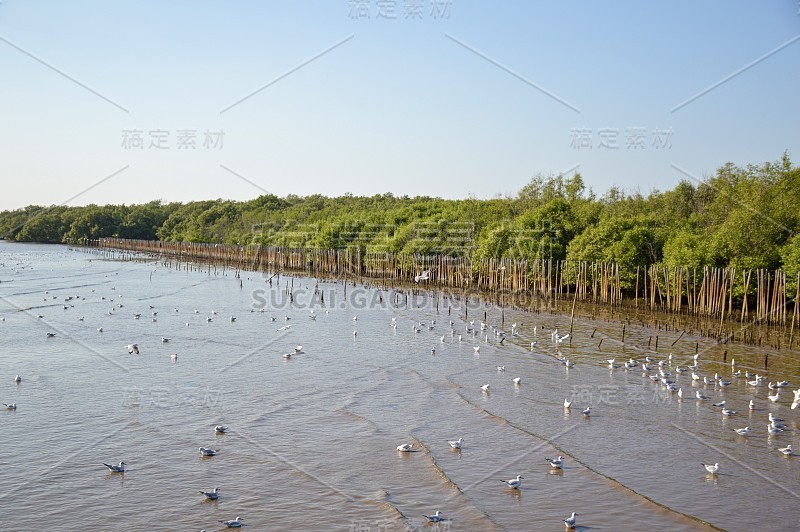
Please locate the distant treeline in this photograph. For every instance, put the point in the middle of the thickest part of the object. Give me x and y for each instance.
(742, 217)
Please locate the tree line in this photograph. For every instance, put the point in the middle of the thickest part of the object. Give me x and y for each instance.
(744, 217)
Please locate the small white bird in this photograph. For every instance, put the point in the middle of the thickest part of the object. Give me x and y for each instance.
(174, 356)
(287, 356)
(517, 380)
(772, 430)
(10, 406)
(205, 451)
(212, 495)
(435, 518)
(221, 429)
(514, 482)
(51, 335)
(17, 379)
(164, 340)
(567, 404)
(501, 368)
(485, 388)
(424, 276)
(457, 443)
(752, 405)
(236, 523)
(774, 398)
(588, 411)
(713, 469)
(742, 432)
(728, 412)
(116, 468)
(132, 348)
(569, 522)
(405, 448)
(787, 451)
(233, 318)
(477, 348)
(557, 463)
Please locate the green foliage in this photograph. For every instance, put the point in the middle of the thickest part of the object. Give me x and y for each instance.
(747, 217)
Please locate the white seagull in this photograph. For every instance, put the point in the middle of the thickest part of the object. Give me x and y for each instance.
(205, 451)
(424, 276)
(713, 469)
(236, 523)
(116, 468)
(222, 429)
(787, 451)
(742, 432)
(567, 404)
(132, 348)
(405, 448)
(513, 483)
(485, 388)
(588, 411)
(10, 406)
(557, 463)
(17, 379)
(457, 443)
(212, 495)
(517, 380)
(435, 518)
(569, 522)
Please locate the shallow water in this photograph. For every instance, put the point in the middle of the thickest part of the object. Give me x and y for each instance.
(312, 439)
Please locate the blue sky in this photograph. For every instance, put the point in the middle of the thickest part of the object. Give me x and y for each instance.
(473, 102)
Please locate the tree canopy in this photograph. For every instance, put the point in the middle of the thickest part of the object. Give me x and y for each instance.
(747, 217)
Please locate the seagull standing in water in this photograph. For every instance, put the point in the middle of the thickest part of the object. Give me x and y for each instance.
(457, 443)
(557, 463)
(405, 448)
(570, 521)
(513, 483)
(713, 469)
(787, 451)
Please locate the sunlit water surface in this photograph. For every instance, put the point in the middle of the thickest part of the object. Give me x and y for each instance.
(312, 439)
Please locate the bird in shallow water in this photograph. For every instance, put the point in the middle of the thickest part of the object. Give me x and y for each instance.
(456, 444)
(405, 447)
(435, 518)
(557, 463)
(236, 523)
(205, 451)
(211, 495)
(569, 522)
(513, 483)
(116, 468)
(713, 469)
(787, 451)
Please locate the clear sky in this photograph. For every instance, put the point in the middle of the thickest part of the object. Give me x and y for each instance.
(459, 97)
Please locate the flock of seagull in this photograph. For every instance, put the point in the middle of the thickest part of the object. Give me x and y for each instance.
(656, 371)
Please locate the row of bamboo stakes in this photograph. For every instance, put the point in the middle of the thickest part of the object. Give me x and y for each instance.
(726, 294)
